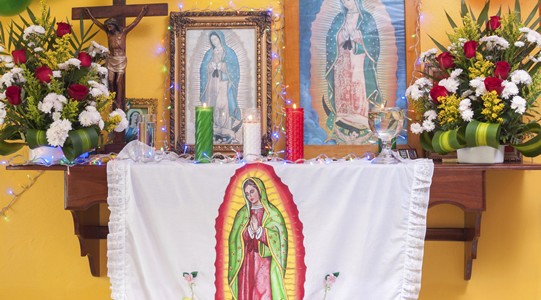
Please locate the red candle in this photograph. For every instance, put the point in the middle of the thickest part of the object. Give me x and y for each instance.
(294, 133)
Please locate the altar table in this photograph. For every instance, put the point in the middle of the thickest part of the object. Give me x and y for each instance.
(365, 223)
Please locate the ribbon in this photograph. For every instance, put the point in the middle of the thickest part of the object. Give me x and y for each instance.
(532, 147)
(482, 134)
(78, 142)
(444, 142)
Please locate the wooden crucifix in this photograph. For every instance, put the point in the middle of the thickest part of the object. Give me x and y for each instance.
(116, 30)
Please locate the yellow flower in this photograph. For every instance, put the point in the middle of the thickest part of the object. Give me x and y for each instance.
(449, 114)
(493, 107)
(481, 68)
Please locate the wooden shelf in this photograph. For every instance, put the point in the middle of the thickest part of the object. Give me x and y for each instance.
(462, 185)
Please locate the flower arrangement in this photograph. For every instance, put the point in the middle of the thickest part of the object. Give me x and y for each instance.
(53, 88)
(482, 89)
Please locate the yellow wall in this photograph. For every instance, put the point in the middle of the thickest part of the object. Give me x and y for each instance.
(39, 254)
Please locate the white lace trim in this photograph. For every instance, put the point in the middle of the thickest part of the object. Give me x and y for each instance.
(116, 241)
(415, 240)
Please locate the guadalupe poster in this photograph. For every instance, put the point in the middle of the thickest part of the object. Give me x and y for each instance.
(352, 57)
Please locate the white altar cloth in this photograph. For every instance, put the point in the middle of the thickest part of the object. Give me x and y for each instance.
(365, 221)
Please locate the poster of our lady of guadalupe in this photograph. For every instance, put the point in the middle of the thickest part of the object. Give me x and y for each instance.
(352, 57)
(259, 241)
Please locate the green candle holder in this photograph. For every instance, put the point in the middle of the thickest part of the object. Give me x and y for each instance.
(204, 133)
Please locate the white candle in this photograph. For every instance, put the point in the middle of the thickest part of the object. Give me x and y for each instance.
(251, 135)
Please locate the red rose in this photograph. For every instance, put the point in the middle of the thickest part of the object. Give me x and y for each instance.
(77, 91)
(494, 23)
(494, 84)
(44, 74)
(446, 60)
(13, 93)
(470, 47)
(438, 91)
(502, 69)
(85, 58)
(62, 29)
(19, 56)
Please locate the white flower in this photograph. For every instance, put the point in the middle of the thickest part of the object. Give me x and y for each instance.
(50, 101)
(495, 42)
(465, 104)
(479, 85)
(467, 115)
(518, 104)
(519, 44)
(509, 89)
(57, 74)
(96, 48)
(7, 79)
(450, 84)
(63, 66)
(524, 29)
(9, 65)
(521, 76)
(428, 125)
(74, 62)
(2, 49)
(38, 49)
(430, 115)
(56, 115)
(123, 124)
(416, 128)
(2, 113)
(58, 132)
(33, 29)
(101, 124)
(533, 36)
(465, 110)
(98, 89)
(3, 95)
(413, 92)
(428, 54)
(90, 116)
(100, 69)
(456, 73)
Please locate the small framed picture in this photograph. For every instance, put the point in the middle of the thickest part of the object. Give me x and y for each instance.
(135, 108)
(403, 153)
(412, 153)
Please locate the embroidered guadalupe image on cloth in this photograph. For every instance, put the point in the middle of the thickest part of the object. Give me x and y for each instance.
(352, 57)
(260, 252)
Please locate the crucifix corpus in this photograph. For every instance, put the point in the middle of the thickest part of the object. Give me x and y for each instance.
(116, 30)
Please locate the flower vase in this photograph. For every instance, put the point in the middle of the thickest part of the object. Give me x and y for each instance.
(46, 155)
(481, 155)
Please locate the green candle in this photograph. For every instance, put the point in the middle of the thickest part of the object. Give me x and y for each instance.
(204, 134)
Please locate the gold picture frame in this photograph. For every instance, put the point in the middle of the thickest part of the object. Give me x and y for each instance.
(134, 108)
(223, 59)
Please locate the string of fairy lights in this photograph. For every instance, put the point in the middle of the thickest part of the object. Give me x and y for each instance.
(279, 93)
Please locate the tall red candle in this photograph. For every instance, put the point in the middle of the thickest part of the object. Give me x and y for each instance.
(294, 133)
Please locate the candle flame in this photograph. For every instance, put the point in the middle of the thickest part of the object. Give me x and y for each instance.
(294, 105)
(250, 118)
(204, 104)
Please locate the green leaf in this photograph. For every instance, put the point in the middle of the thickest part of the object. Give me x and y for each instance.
(463, 8)
(31, 15)
(80, 141)
(517, 9)
(453, 24)
(440, 46)
(7, 148)
(194, 274)
(336, 274)
(532, 14)
(483, 16)
(531, 148)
